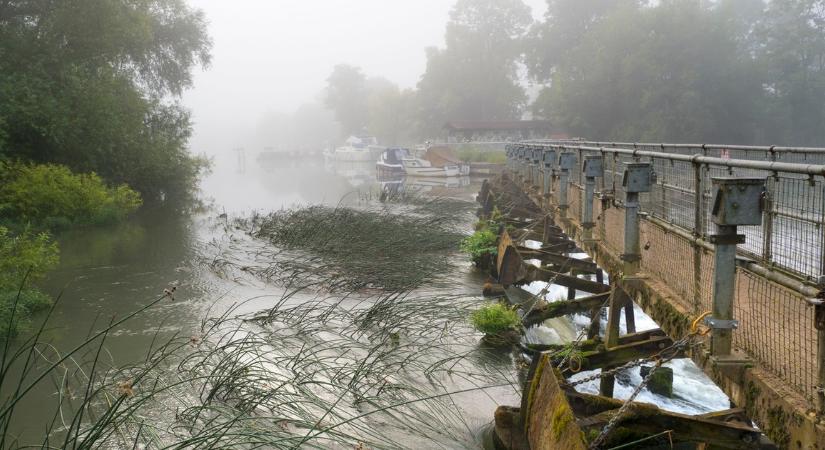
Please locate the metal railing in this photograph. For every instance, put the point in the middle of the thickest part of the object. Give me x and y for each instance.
(780, 266)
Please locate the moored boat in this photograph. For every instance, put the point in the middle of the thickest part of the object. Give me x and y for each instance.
(389, 163)
(357, 148)
(422, 168)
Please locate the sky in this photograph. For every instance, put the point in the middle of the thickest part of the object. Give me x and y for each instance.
(274, 55)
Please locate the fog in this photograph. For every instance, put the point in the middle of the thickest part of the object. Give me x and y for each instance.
(273, 56)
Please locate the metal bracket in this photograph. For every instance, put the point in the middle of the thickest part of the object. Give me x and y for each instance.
(628, 257)
(721, 324)
(819, 317)
(727, 239)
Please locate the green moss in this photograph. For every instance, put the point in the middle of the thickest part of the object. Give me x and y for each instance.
(777, 427)
(562, 417)
(531, 391)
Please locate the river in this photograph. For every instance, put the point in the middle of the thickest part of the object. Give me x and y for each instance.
(106, 273)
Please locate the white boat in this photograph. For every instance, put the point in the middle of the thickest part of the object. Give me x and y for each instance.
(357, 148)
(389, 163)
(422, 168)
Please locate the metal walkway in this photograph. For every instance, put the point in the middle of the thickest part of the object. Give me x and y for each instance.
(731, 235)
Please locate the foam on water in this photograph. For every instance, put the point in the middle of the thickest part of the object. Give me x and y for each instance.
(693, 391)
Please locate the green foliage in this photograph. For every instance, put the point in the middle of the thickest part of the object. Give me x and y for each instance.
(728, 71)
(473, 154)
(51, 196)
(475, 77)
(374, 105)
(91, 85)
(480, 244)
(24, 258)
(495, 318)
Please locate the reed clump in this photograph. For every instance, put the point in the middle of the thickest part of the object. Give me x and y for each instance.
(356, 248)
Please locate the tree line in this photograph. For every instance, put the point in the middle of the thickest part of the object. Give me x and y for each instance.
(94, 85)
(722, 71)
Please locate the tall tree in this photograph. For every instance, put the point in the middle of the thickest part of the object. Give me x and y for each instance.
(93, 84)
(475, 77)
(674, 70)
(346, 95)
(792, 51)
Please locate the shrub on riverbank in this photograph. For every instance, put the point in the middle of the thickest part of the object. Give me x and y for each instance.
(24, 258)
(475, 154)
(495, 319)
(51, 196)
(481, 246)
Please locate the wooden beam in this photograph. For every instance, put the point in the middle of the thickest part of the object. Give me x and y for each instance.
(559, 262)
(623, 354)
(651, 420)
(595, 343)
(533, 273)
(561, 308)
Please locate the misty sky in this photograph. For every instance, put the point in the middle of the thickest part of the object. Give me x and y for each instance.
(274, 55)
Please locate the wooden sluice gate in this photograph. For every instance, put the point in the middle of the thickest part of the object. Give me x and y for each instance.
(553, 415)
(667, 223)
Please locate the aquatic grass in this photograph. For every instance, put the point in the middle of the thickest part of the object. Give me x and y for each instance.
(340, 359)
(352, 249)
(367, 369)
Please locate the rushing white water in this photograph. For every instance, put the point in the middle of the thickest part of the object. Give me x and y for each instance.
(693, 391)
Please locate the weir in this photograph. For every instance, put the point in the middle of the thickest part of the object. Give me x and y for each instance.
(721, 246)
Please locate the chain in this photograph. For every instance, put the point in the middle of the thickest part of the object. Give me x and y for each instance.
(662, 357)
(613, 371)
(617, 417)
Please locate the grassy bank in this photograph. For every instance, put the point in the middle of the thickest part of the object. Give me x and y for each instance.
(35, 201)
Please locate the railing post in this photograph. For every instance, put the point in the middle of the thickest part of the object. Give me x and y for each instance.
(567, 161)
(819, 324)
(525, 168)
(736, 201)
(592, 168)
(698, 232)
(638, 178)
(767, 222)
(536, 156)
(548, 157)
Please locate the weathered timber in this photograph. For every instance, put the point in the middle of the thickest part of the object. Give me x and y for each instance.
(559, 262)
(550, 420)
(533, 273)
(651, 420)
(623, 354)
(646, 418)
(596, 343)
(727, 415)
(509, 429)
(556, 309)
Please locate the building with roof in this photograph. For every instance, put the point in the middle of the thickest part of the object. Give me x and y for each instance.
(501, 130)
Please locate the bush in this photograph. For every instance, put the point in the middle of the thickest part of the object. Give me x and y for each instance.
(480, 245)
(495, 318)
(24, 259)
(474, 154)
(52, 196)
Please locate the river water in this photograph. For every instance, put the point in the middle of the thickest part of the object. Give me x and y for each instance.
(106, 273)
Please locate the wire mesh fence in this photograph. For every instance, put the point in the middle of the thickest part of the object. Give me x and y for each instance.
(776, 329)
(776, 322)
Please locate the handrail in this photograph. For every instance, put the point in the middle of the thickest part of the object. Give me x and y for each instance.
(771, 166)
(756, 148)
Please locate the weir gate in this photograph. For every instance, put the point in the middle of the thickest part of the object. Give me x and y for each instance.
(720, 245)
